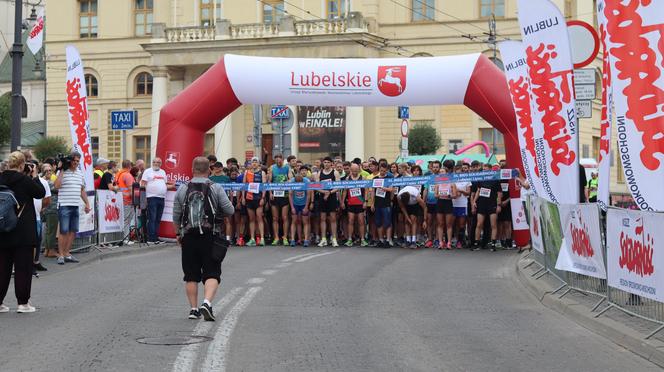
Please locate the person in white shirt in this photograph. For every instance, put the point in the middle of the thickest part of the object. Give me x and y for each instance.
(413, 207)
(40, 204)
(156, 185)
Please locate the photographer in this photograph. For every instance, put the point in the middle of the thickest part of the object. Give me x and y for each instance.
(71, 189)
(21, 180)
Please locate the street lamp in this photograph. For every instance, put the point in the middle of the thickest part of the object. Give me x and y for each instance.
(17, 59)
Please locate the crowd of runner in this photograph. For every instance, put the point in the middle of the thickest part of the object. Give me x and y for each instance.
(474, 215)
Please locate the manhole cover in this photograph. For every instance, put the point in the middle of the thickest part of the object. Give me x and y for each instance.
(173, 340)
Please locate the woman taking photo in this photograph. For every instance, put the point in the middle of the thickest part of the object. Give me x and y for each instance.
(18, 243)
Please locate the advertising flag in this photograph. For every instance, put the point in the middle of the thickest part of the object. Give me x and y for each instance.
(635, 30)
(77, 104)
(606, 115)
(635, 252)
(36, 35)
(581, 251)
(518, 83)
(549, 61)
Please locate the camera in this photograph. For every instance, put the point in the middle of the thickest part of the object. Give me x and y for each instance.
(27, 169)
(64, 161)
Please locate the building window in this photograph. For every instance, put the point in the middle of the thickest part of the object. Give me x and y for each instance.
(24, 108)
(142, 148)
(210, 12)
(209, 144)
(88, 18)
(423, 10)
(495, 7)
(273, 10)
(113, 142)
(91, 87)
(336, 8)
(585, 150)
(143, 17)
(494, 139)
(143, 86)
(94, 142)
(596, 148)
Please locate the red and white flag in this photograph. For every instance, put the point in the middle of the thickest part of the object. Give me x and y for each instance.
(77, 103)
(36, 35)
(518, 83)
(635, 32)
(606, 114)
(549, 61)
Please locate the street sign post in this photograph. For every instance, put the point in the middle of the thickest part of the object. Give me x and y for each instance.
(584, 91)
(403, 112)
(123, 119)
(282, 122)
(584, 109)
(585, 76)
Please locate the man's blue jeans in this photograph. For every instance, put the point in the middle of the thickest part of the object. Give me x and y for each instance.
(155, 210)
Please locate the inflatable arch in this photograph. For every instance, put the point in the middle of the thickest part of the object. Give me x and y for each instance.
(472, 80)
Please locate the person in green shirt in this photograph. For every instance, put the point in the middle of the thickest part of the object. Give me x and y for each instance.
(218, 175)
(592, 188)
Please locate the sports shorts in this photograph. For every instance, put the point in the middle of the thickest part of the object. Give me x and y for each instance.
(460, 211)
(414, 210)
(280, 202)
(444, 206)
(197, 262)
(355, 209)
(253, 204)
(383, 217)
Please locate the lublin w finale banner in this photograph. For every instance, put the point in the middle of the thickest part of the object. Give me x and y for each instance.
(549, 60)
(635, 30)
(111, 213)
(321, 129)
(581, 250)
(635, 252)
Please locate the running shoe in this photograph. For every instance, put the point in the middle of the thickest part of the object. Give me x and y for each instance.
(459, 245)
(492, 246)
(39, 267)
(260, 242)
(61, 260)
(323, 242)
(194, 314)
(448, 246)
(206, 311)
(334, 242)
(428, 243)
(306, 243)
(71, 258)
(251, 243)
(285, 240)
(364, 243)
(276, 242)
(292, 243)
(27, 308)
(4, 308)
(349, 243)
(240, 241)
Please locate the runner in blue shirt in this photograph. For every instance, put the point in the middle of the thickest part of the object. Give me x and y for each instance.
(299, 205)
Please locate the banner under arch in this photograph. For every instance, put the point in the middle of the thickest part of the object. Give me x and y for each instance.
(472, 80)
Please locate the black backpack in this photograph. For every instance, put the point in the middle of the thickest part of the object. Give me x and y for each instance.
(8, 209)
(198, 213)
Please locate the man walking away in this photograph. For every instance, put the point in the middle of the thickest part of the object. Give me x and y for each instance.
(198, 209)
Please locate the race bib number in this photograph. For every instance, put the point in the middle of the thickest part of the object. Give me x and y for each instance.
(445, 190)
(279, 193)
(355, 193)
(380, 193)
(378, 182)
(505, 186)
(432, 189)
(254, 188)
(505, 174)
(484, 192)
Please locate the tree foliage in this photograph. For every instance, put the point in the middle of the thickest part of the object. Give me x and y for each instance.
(423, 139)
(50, 147)
(5, 119)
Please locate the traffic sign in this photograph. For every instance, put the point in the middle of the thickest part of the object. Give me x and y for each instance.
(584, 42)
(123, 119)
(404, 128)
(585, 76)
(584, 91)
(404, 112)
(280, 112)
(584, 109)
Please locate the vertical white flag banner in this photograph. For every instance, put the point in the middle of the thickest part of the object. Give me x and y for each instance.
(635, 252)
(549, 61)
(581, 251)
(606, 114)
(535, 224)
(518, 83)
(635, 47)
(77, 104)
(36, 35)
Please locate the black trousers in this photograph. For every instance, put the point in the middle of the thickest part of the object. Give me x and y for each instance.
(21, 259)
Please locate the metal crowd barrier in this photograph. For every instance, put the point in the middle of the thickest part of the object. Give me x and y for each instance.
(629, 303)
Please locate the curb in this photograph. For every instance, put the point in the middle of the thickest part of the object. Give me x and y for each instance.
(616, 332)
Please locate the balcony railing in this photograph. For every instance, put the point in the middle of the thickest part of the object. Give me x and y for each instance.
(224, 30)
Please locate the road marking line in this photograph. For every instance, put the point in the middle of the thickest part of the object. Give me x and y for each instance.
(216, 353)
(268, 272)
(255, 280)
(187, 356)
(298, 256)
(282, 265)
(314, 256)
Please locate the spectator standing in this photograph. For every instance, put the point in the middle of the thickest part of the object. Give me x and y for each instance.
(198, 259)
(40, 206)
(140, 164)
(125, 180)
(71, 190)
(18, 243)
(156, 187)
(50, 213)
(107, 181)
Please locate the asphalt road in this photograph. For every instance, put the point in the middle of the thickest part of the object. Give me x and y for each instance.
(296, 309)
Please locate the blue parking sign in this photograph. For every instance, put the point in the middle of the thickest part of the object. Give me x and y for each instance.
(404, 112)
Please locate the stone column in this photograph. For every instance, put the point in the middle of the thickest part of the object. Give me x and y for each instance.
(223, 139)
(354, 133)
(159, 99)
